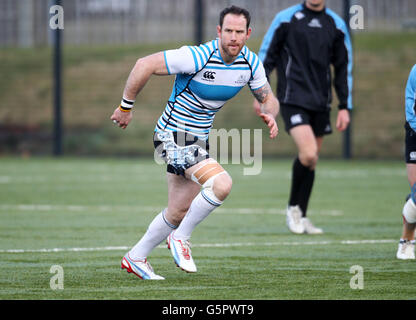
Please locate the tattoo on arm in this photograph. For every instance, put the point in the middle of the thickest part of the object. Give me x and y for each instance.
(262, 93)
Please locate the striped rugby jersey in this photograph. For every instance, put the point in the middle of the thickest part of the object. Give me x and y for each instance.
(411, 99)
(203, 84)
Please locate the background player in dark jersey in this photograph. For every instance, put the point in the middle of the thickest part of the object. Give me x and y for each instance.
(302, 43)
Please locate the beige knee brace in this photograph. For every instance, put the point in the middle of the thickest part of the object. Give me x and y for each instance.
(205, 176)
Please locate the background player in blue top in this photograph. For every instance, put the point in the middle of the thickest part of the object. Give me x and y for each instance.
(206, 77)
(406, 248)
(302, 43)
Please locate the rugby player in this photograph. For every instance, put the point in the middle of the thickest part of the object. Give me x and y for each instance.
(206, 77)
(406, 249)
(302, 43)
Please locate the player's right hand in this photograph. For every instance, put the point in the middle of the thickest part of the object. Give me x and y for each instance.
(121, 118)
(343, 119)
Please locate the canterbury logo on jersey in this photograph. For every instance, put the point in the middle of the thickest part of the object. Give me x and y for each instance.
(208, 75)
(315, 23)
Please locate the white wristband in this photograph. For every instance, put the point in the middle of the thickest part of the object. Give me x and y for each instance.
(126, 104)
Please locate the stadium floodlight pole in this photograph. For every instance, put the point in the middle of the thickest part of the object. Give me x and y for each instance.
(57, 98)
(199, 22)
(347, 134)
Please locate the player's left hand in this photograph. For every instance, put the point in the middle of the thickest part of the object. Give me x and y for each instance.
(343, 119)
(122, 119)
(271, 123)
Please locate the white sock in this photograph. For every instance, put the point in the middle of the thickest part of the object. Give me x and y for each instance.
(200, 208)
(158, 230)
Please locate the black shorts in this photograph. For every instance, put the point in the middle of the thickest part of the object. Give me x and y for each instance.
(294, 116)
(410, 144)
(180, 150)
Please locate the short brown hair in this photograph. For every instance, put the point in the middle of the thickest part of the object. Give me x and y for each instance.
(237, 11)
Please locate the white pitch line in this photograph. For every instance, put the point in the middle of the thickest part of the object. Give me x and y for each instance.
(80, 208)
(207, 245)
(275, 211)
(44, 250)
(5, 179)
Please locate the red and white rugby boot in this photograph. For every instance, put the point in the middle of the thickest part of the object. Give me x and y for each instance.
(181, 252)
(140, 268)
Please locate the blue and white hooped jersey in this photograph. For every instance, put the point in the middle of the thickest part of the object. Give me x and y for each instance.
(411, 99)
(203, 84)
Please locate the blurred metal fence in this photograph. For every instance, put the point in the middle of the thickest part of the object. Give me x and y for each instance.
(25, 23)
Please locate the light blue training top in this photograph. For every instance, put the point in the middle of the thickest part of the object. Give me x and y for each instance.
(411, 99)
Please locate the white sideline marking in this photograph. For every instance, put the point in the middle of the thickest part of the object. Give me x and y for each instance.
(207, 245)
(80, 208)
(4, 179)
(275, 211)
